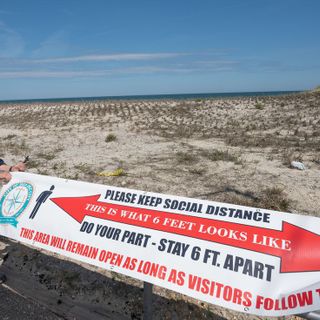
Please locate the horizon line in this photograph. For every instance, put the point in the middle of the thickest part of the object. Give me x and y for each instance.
(268, 92)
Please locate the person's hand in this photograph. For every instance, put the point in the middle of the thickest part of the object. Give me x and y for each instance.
(20, 166)
(5, 176)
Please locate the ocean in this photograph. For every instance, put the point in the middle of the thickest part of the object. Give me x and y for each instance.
(182, 96)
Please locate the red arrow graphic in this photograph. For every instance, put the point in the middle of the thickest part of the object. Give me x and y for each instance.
(298, 248)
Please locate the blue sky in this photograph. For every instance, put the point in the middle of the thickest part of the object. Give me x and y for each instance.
(74, 48)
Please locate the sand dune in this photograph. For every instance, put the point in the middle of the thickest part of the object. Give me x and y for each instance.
(236, 150)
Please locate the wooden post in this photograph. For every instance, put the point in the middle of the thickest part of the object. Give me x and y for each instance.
(147, 300)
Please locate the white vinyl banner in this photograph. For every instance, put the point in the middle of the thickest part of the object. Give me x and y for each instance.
(247, 259)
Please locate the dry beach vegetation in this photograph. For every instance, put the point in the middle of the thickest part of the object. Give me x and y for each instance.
(235, 150)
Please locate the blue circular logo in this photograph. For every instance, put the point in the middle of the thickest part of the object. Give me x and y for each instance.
(14, 201)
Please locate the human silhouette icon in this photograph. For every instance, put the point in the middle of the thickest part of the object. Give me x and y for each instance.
(43, 196)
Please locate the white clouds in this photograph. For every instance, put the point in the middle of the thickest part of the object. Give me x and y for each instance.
(54, 45)
(111, 57)
(102, 65)
(48, 74)
(217, 62)
(83, 60)
(11, 43)
(89, 73)
(64, 67)
(218, 65)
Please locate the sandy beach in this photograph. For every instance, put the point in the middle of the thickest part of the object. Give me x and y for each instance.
(235, 150)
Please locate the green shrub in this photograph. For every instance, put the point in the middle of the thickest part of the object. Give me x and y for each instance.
(259, 106)
(110, 137)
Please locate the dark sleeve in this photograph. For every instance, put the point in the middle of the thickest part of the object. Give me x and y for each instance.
(2, 162)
